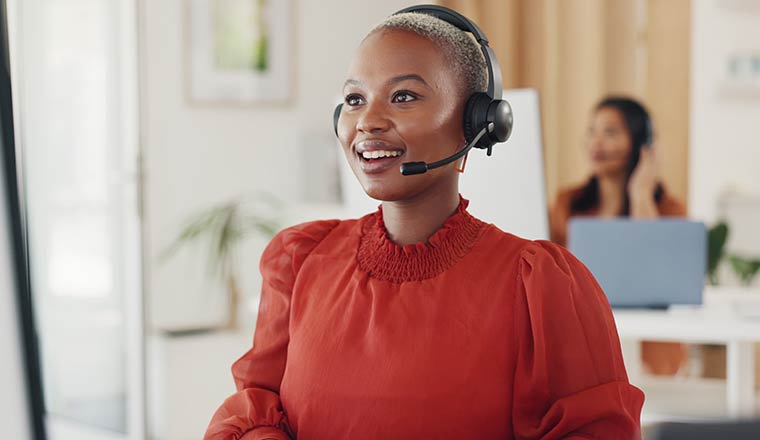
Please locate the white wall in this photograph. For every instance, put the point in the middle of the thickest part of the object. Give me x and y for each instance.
(724, 145)
(195, 156)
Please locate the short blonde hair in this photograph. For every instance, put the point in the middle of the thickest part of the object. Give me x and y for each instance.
(459, 47)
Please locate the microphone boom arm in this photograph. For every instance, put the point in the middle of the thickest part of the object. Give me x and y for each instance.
(411, 168)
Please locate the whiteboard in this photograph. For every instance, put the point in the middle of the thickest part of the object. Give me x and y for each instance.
(507, 189)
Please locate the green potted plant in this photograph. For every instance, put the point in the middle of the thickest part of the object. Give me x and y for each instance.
(716, 243)
(223, 228)
(745, 268)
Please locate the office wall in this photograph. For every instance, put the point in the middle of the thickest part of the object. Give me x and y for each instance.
(725, 147)
(196, 156)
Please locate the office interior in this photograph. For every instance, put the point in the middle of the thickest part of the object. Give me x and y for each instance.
(128, 144)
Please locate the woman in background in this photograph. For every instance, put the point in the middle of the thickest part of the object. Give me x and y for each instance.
(624, 183)
(624, 180)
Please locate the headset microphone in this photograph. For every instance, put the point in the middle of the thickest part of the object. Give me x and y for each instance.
(411, 168)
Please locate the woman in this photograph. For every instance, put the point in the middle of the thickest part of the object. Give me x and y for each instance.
(624, 179)
(624, 183)
(419, 320)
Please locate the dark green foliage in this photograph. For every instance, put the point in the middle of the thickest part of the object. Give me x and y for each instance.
(716, 242)
(746, 268)
(224, 227)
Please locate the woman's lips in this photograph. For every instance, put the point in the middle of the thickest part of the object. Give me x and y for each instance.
(379, 165)
(377, 156)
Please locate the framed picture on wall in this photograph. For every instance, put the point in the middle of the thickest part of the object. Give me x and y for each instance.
(239, 51)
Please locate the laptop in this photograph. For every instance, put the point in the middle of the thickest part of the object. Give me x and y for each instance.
(643, 263)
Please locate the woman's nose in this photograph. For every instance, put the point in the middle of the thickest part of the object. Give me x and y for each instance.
(594, 141)
(373, 119)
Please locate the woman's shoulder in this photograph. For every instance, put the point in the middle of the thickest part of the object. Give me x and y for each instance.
(306, 236)
(671, 206)
(545, 255)
(308, 232)
(534, 253)
(560, 212)
(548, 270)
(542, 268)
(500, 243)
(563, 201)
(288, 250)
(570, 191)
(290, 247)
(566, 195)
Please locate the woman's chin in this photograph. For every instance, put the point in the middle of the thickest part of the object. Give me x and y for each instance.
(381, 194)
(386, 192)
(407, 188)
(607, 171)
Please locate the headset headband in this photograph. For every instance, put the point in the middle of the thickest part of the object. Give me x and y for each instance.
(465, 24)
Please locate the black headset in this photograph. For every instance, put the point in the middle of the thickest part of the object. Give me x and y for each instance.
(648, 130)
(487, 118)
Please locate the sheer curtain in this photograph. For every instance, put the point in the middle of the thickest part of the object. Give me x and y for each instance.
(76, 82)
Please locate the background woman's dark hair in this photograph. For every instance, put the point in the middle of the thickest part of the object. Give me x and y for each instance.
(639, 127)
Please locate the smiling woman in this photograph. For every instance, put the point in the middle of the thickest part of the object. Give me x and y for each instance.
(388, 109)
(419, 320)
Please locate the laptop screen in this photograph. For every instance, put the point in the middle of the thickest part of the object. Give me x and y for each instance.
(643, 263)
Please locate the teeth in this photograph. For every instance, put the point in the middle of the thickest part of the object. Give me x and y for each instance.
(380, 153)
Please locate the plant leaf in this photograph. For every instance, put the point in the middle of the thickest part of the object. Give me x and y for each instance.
(745, 268)
(716, 241)
(224, 226)
(200, 225)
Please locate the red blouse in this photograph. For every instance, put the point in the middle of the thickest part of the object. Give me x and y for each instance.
(477, 334)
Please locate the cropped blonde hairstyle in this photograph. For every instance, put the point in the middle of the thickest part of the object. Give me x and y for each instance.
(460, 49)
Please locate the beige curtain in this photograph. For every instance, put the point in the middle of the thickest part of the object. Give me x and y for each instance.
(576, 51)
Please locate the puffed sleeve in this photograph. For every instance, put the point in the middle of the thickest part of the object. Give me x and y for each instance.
(255, 412)
(570, 380)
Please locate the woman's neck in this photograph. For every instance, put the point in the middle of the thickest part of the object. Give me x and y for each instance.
(611, 194)
(414, 221)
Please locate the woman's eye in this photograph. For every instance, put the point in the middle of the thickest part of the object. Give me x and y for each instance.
(404, 96)
(353, 100)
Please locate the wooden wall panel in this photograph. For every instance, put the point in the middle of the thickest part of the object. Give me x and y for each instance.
(581, 73)
(576, 51)
(667, 87)
(623, 36)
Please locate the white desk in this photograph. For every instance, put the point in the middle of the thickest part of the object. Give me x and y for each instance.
(720, 321)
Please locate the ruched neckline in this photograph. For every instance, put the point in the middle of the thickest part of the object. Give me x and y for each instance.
(383, 259)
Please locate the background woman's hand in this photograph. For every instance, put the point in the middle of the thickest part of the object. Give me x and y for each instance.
(642, 185)
(644, 178)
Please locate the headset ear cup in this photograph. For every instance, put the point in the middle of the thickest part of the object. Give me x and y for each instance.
(648, 131)
(469, 130)
(336, 117)
(476, 117)
(500, 114)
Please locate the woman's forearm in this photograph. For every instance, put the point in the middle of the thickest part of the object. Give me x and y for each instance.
(643, 207)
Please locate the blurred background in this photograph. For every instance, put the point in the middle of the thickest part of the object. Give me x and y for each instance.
(160, 144)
